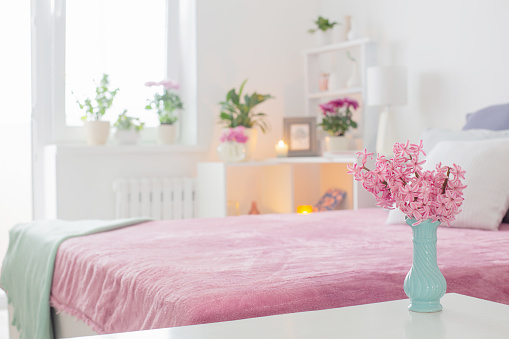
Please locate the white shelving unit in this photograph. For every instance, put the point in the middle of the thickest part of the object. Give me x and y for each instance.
(277, 185)
(332, 59)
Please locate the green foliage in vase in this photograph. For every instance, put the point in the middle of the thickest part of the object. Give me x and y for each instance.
(95, 108)
(166, 104)
(323, 25)
(235, 113)
(125, 122)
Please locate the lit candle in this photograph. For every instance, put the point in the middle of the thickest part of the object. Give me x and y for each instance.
(304, 209)
(281, 149)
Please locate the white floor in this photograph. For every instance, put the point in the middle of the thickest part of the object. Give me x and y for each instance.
(4, 324)
(4, 318)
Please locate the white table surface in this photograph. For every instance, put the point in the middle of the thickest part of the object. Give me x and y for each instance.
(462, 317)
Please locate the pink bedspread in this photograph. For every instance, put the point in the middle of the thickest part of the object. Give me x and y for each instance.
(174, 273)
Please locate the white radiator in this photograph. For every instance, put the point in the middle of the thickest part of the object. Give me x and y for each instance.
(159, 198)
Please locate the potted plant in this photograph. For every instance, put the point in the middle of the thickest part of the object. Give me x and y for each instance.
(337, 120)
(97, 131)
(127, 129)
(324, 30)
(166, 104)
(236, 113)
(232, 147)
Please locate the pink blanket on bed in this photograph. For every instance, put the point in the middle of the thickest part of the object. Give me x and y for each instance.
(173, 273)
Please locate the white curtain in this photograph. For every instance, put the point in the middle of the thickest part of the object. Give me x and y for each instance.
(15, 108)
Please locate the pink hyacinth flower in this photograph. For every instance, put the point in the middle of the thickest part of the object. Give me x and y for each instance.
(436, 195)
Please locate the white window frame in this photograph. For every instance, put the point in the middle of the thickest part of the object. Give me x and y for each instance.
(181, 66)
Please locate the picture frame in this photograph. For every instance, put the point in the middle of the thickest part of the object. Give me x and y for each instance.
(300, 135)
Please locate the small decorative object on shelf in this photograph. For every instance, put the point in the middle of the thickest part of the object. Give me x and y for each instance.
(232, 147)
(348, 26)
(166, 104)
(235, 113)
(97, 131)
(233, 208)
(336, 121)
(281, 149)
(323, 31)
(304, 209)
(353, 79)
(323, 82)
(427, 197)
(254, 208)
(333, 82)
(300, 133)
(351, 33)
(330, 201)
(127, 129)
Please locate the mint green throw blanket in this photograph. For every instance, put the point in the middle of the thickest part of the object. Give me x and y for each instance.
(27, 270)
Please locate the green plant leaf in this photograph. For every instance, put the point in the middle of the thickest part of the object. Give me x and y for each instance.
(236, 113)
(242, 87)
(233, 97)
(225, 116)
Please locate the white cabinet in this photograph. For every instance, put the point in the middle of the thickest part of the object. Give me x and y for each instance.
(276, 185)
(333, 59)
(78, 179)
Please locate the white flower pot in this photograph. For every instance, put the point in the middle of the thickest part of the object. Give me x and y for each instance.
(336, 144)
(96, 132)
(231, 151)
(252, 134)
(167, 134)
(126, 136)
(250, 145)
(323, 38)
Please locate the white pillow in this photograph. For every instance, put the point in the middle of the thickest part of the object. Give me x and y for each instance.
(486, 163)
(433, 136)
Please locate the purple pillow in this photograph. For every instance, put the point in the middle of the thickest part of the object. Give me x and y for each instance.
(493, 117)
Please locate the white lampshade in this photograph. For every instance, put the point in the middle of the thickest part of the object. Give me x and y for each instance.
(386, 86)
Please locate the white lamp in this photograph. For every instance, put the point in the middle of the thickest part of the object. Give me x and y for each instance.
(386, 86)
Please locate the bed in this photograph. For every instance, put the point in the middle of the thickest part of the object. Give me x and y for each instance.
(176, 273)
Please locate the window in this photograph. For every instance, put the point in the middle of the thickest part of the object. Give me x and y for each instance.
(135, 41)
(124, 39)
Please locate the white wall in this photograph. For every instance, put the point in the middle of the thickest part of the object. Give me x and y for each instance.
(456, 52)
(257, 40)
(15, 172)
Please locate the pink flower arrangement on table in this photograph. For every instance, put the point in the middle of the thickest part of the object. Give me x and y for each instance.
(401, 182)
(235, 134)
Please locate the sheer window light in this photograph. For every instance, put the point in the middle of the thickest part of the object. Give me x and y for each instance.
(124, 39)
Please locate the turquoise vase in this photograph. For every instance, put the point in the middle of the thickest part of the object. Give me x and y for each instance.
(425, 284)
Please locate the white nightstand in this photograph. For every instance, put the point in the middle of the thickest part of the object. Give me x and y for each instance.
(463, 317)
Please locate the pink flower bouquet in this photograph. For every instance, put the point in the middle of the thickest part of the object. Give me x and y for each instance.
(402, 183)
(235, 134)
(337, 116)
